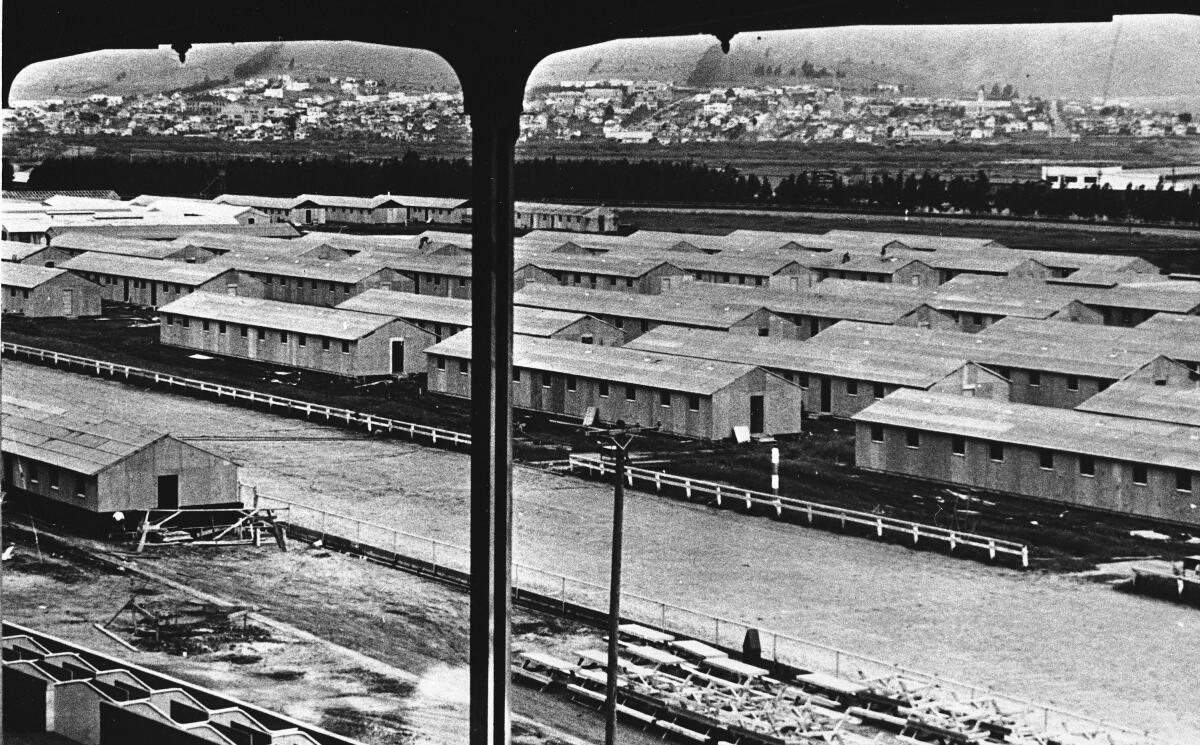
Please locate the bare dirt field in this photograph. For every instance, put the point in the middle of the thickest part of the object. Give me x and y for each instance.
(1061, 639)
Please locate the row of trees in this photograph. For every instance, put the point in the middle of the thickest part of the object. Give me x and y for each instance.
(614, 181)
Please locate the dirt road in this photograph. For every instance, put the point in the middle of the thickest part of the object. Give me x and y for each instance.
(1057, 639)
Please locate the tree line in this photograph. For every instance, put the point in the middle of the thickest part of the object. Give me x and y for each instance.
(606, 180)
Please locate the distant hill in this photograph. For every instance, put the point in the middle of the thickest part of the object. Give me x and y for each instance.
(131, 71)
(1155, 56)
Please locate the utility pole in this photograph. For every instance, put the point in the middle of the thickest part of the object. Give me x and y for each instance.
(618, 439)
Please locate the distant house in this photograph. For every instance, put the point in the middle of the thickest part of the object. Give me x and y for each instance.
(40, 292)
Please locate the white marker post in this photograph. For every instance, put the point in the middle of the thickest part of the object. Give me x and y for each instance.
(775, 471)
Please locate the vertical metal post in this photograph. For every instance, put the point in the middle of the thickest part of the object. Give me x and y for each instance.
(614, 599)
(775, 471)
(493, 82)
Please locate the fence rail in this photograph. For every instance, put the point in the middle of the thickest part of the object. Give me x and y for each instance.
(555, 589)
(809, 511)
(372, 422)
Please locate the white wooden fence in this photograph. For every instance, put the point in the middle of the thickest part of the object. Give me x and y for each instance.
(809, 511)
(372, 422)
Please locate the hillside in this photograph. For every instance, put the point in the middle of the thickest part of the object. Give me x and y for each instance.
(130, 71)
(1155, 56)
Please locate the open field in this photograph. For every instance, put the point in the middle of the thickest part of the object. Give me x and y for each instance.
(814, 463)
(1063, 639)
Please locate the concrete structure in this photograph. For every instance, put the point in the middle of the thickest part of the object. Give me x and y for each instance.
(705, 400)
(636, 314)
(445, 317)
(79, 695)
(583, 218)
(61, 452)
(329, 340)
(1116, 464)
(150, 282)
(836, 381)
(40, 292)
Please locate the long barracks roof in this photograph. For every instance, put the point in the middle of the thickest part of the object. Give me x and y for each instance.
(69, 438)
(27, 276)
(1172, 323)
(17, 251)
(330, 271)
(344, 202)
(601, 265)
(170, 230)
(334, 323)
(1161, 339)
(414, 263)
(570, 210)
(437, 203)
(455, 312)
(669, 372)
(1167, 297)
(246, 200)
(682, 311)
(1089, 359)
(1142, 399)
(1063, 430)
(813, 302)
(136, 267)
(920, 241)
(913, 370)
(116, 245)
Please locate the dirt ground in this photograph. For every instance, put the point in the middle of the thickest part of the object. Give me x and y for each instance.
(362, 650)
(1056, 638)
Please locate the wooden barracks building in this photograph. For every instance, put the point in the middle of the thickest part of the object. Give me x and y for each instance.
(329, 340)
(60, 452)
(40, 292)
(703, 399)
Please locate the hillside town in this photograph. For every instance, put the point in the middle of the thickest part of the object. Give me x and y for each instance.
(619, 111)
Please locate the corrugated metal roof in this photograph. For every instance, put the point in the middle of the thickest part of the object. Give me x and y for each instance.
(683, 311)
(69, 438)
(1064, 430)
(27, 276)
(455, 312)
(334, 323)
(616, 364)
(158, 270)
(914, 370)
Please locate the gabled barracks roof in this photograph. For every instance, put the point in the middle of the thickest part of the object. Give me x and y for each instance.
(1074, 337)
(1173, 323)
(17, 251)
(616, 364)
(441, 203)
(116, 245)
(136, 267)
(245, 200)
(331, 271)
(914, 370)
(920, 241)
(1110, 362)
(360, 203)
(27, 276)
(1063, 430)
(170, 230)
(867, 263)
(1156, 295)
(614, 266)
(68, 437)
(414, 263)
(685, 311)
(335, 323)
(751, 264)
(813, 302)
(571, 210)
(455, 312)
(1142, 399)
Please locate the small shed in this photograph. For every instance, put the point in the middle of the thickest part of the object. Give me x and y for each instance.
(61, 452)
(41, 292)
